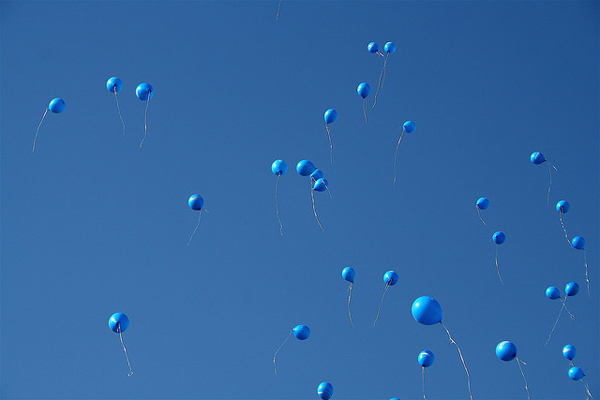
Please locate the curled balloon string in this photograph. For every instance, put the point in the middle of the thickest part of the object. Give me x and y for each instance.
(145, 117)
(119, 108)
(312, 196)
(387, 286)
(396, 154)
(38, 129)
(365, 108)
(550, 166)
(564, 305)
(195, 229)
(563, 227)
(381, 75)
(519, 362)
(478, 213)
(349, 297)
(277, 206)
(498, 268)
(275, 355)
(423, 378)
(277, 16)
(586, 272)
(461, 358)
(330, 144)
(124, 349)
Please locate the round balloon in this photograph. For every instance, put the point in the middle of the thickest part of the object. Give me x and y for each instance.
(330, 116)
(372, 47)
(409, 127)
(279, 167)
(348, 274)
(426, 358)
(506, 350)
(552, 293)
(572, 289)
(305, 168)
(569, 351)
(325, 390)
(143, 91)
(578, 242)
(118, 319)
(483, 203)
(321, 185)
(316, 175)
(499, 237)
(114, 84)
(363, 90)
(389, 47)
(57, 105)
(301, 332)
(563, 206)
(196, 202)
(391, 278)
(576, 373)
(537, 158)
(426, 310)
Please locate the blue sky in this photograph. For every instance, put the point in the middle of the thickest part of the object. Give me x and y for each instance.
(93, 225)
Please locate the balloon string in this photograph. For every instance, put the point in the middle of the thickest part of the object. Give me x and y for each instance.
(477, 208)
(275, 355)
(200, 216)
(498, 268)
(387, 286)
(145, 115)
(328, 191)
(349, 296)
(564, 305)
(396, 154)
(522, 374)
(563, 227)
(277, 16)
(586, 272)
(461, 359)
(124, 349)
(380, 54)
(119, 108)
(312, 196)
(38, 130)
(380, 83)
(277, 206)
(365, 108)
(550, 166)
(423, 378)
(587, 388)
(330, 144)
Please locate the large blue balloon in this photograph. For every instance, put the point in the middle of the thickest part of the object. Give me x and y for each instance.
(301, 332)
(499, 237)
(506, 350)
(330, 116)
(409, 127)
(537, 158)
(316, 175)
(569, 351)
(427, 310)
(325, 390)
(552, 293)
(426, 358)
(118, 319)
(279, 167)
(483, 203)
(143, 91)
(363, 90)
(389, 47)
(305, 168)
(563, 206)
(348, 274)
(576, 373)
(391, 278)
(57, 105)
(572, 289)
(196, 202)
(114, 84)
(321, 185)
(373, 47)
(578, 242)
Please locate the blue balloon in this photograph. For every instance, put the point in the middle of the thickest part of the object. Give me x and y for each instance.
(114, 84)
(330, 116)
(390, 277)
(426, 358)
(563, 206)
(483, 203)
(394, 398)
(325, 390)
(316, 175)
(576, 373)
(196, 202)
(279, 167)
(118, 319)
(552, 293)
(57, 105)
(363, 90)
(143, 91)
(409, 127)
(389, 47)
(506, 350)
(578, 242)
(373, 47)
(301, 332)
(569, 351)
(305, 168)
(537, 158)
(572, 289)
(499, 237)
(321, 185)
(427, 310)
(348, 274)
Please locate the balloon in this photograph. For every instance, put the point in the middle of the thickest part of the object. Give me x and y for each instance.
(316, 175)
(391, 278)
(483, 203)
(279, 167)
(372, 47)
(552, 293)
(57, 105)
(537, 158)
(330, 116)
(301, 332)
(506, 350)
(118, 319)
(426, 358)
(571, 289)
(305, 168)
(578, 242)
(569, 351)
(114, 84)
(321, 185)
(409, 127)
(389, 47)
(499, 237)
(143, 91)
(363, 90)
(325, 390)
(348, 274)
(196, 202)
(576, 373)
(426, 310)
(563, 206)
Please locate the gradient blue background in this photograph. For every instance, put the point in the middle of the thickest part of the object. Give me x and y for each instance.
(92, 224)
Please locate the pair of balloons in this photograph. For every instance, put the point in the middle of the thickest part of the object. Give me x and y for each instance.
(571, 289)
(388, 48)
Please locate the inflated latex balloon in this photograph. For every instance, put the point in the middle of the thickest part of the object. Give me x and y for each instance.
(363, 91)
(349, 274)
(538, 158)
(316, 175)
(579, 243)
(301, 332)
(279, 167)
(325, 390)
(144, 92)
(563, 207)
(572, 289)
(330, 116)
(56, 105)
(426, 310)
(196, 202)
(114, 85)
(576, 373)
(118, 323)
(569, 351)
(426, 358)
(553, 293)
(482, 204)
(506, 351)
(408, 127)
(321, 185)
(389, 47)
(305, 168)
(390, 278)
(499, 237)
(373, 48)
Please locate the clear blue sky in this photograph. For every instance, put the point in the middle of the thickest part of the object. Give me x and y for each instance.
(93, 225)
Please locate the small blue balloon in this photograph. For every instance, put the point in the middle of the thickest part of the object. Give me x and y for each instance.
(389, 47)
(506, 350)
(316, 175)
(499, 237)
(57, 105)
(569, 351)
(348, 274)
(321, 185)
(409, 127)
(330, 116)
(391, 278)
(578, 242)
(572, 288)
(483, 203)
(563, 206)
(537, 158)
(394, 398)
(373, 47)
(305, 168)
(426, 358)
(301, 332)
(114, 84)
(118, 320)
(426, 310)
(279, 167)
(576, 373)
(325, 390)
(363, 90)
(143, 91)
(196, 202)
(553, 293)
